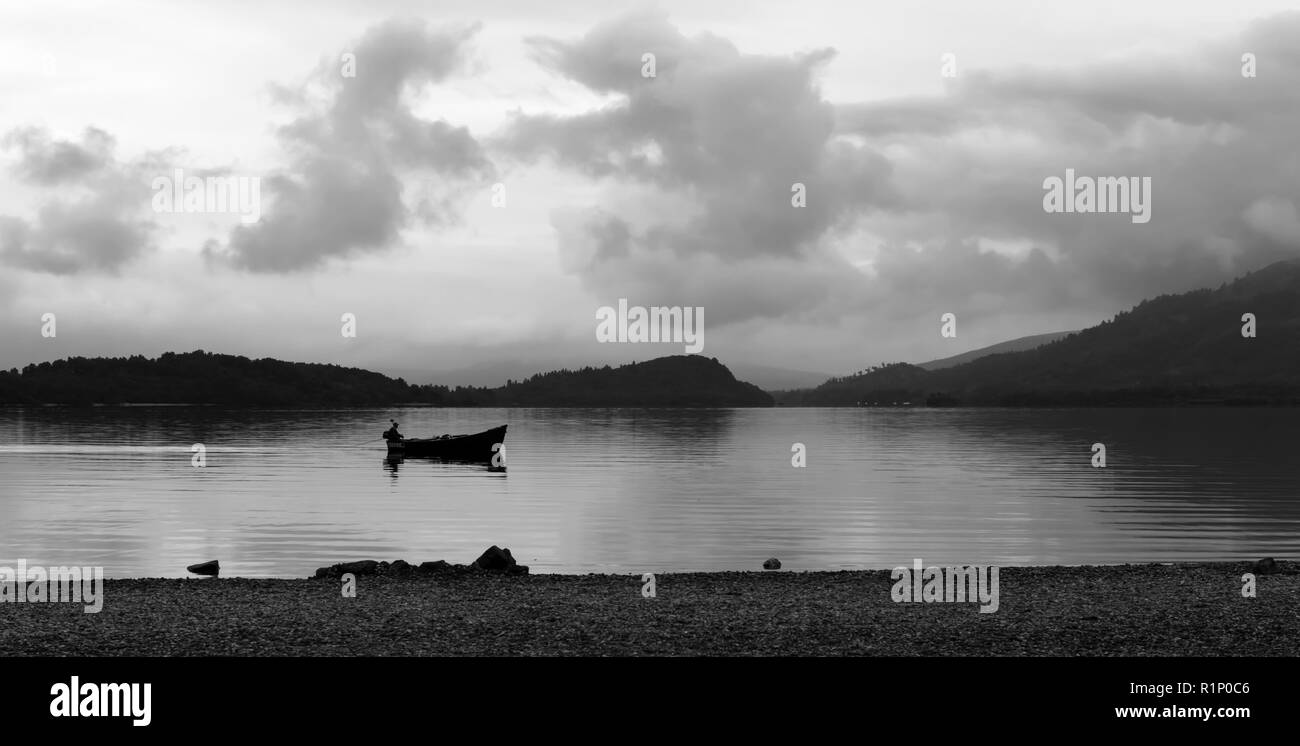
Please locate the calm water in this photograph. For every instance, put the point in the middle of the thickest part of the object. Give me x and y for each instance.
(285, 492)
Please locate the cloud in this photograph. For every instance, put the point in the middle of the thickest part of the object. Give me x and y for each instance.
(718, 137)
(917, 203)
(675, 190)
(349, 150)
(589, 237)
(968, 166)
(46, 161)
(67, 239)
(89, 223)
(1276, 219)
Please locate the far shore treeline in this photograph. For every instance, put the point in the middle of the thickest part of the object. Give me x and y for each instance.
(206, 378)
(1238, 344)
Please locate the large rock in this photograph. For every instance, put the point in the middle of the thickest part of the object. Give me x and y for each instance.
(362, 567)
(434, 568)
(211, 567)
(399, 568)
(496, 559)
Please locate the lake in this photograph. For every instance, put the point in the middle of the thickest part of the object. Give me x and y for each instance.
(629, 491)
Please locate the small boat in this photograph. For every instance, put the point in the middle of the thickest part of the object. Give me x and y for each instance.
(477, 447)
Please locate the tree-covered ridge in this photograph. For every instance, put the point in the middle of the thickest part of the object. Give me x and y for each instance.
(675, 381)
(1185, 348)
(207, 378)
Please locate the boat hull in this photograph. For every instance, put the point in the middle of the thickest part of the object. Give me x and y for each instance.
(476, 447)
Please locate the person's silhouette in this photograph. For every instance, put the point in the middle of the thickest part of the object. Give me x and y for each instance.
(392, 433)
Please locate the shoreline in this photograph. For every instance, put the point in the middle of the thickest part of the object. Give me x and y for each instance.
(1290, 402)
(1178, 609)
(1286, 568)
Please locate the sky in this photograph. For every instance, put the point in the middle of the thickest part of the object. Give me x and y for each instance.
(473, 182)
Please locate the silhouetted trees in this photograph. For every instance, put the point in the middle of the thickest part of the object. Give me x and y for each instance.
(205, 378)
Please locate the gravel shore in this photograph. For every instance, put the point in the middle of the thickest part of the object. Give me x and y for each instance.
(1128, 610)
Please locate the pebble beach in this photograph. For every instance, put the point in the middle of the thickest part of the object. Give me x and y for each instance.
(1126, 610)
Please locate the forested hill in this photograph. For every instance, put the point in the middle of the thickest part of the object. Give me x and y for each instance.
(199, 378)
(1174, 349)
(676, 381)
(207, 378)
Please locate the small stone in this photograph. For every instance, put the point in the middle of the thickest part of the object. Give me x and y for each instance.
(772, 564)
(1266, 566)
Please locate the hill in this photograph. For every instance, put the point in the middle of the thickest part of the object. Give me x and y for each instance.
(206, 378)
(1013, 345)
(675, 381)
(1175, 349)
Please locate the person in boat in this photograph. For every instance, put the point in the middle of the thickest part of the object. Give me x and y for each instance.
(392, 433)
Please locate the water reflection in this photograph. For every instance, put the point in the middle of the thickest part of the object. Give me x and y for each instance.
(392, 464)
(284, 492)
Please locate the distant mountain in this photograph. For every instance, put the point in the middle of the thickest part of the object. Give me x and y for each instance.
(1014, 345)
(1175, 349)
(207, 378)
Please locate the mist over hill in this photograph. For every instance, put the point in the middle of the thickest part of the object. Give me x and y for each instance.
(1012, 345)
(1187, 348)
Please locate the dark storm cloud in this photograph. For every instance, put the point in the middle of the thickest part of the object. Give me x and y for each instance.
(729, 135)
(342, 194)
(330, 207)
(946, 190)
(88, 222)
